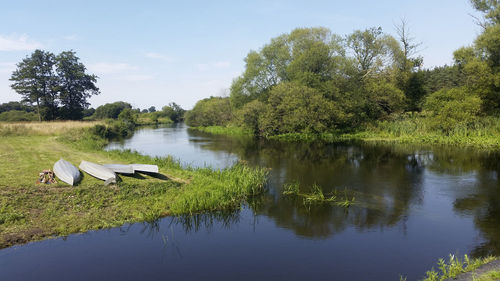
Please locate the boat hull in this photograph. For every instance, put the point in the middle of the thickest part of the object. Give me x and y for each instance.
(66, 172)
(145, 168)
(120, 168)
(98, 171)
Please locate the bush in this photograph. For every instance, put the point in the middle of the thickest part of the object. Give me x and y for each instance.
(294, 108)
(453, 108)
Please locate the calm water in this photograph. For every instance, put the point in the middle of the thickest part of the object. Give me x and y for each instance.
(415, 205)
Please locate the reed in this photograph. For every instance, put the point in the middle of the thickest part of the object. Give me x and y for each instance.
(316, 196)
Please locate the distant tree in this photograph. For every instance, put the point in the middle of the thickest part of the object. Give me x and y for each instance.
(213, 111)
(144, 111)
(75, 86)
(152, 109)
(111, 110)
(88, 112)
(35, 80)
(15, 105)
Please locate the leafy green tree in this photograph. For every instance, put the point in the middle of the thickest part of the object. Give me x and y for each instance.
(294, 108)
(491, 10)
(368, 47)
(249, 115)
(15, 105)
(152, 109)
(35, 80)
(308, 55)
(111, 110)
(75, 86)
(213, 111)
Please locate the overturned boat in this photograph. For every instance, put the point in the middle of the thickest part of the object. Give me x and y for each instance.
(98, 171)
(66, 172)
(145, 168)
(120, 168)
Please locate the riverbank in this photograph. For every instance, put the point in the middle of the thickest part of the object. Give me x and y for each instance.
(30, 212)
(464, 269)
(404, 131)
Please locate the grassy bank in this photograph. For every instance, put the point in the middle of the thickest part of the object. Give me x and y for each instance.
(410, 130)
(228, 131)
(455, 266)
(31, 212)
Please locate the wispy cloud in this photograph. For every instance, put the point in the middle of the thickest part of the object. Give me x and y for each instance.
(72, 37)
(159, 56)
(18, 43)
(111, 68)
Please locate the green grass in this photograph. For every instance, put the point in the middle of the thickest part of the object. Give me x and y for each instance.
(221, 130)
(31, 212)
(455, 266)
(316, 196)
(408, 129)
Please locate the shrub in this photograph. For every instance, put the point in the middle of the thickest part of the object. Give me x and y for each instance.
(452, 108)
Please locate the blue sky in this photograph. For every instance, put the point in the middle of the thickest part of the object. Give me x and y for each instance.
(156, 52)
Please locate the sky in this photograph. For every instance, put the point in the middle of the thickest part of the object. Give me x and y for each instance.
(151, 53)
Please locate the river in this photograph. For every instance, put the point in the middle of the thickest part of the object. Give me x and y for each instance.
(413, 205)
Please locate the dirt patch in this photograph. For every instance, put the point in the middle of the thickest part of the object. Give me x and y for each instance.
(32, 234)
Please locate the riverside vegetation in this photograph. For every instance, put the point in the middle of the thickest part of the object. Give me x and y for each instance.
(31, 212)
(313, 84)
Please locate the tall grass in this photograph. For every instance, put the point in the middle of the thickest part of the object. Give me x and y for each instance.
(43, 128)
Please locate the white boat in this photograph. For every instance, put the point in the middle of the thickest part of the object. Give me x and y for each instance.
(145, 168)
(66, 172)
(120, 168)
(98, 171)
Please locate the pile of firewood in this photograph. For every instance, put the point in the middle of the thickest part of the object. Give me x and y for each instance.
(47, 177)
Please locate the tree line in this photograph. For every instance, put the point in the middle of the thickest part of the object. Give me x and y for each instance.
(314, 81)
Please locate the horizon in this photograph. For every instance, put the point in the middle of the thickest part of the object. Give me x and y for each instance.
(183, 54)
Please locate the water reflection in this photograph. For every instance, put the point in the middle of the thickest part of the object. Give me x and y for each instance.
(388, 180)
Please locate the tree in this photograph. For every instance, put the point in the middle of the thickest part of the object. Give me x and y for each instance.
(491, 10)
(35, 81)
(294, 108)
(75, 86)
(111, 110)
(213, 111)
(367, 47)
(407, 79)
(152, 109)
